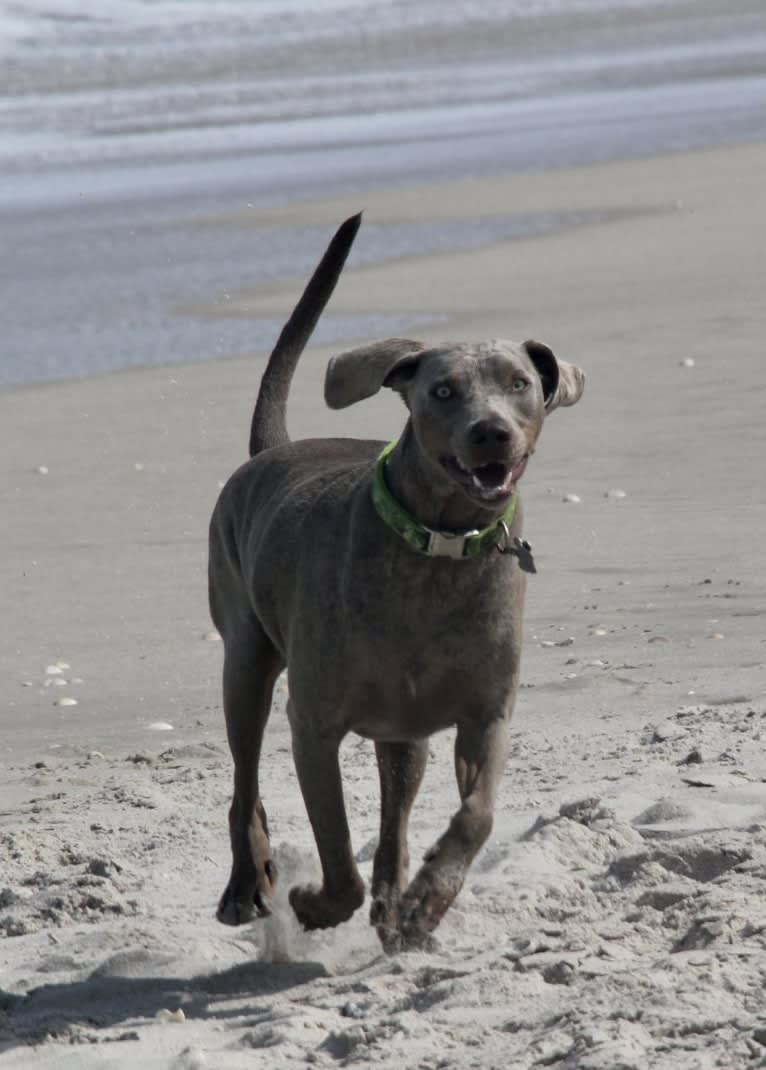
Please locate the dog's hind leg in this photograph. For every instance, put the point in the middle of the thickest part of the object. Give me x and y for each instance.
(480, 753)
(318, 768)
(401, 767)
(251, 667)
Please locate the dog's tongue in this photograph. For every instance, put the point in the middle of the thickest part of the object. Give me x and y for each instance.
(497, 481)
(493, 481)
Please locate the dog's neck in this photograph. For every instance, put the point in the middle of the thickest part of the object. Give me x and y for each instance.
(427, 492)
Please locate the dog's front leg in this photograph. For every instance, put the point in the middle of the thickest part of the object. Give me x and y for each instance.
(318, 768)
(401, 767)
(480, 753)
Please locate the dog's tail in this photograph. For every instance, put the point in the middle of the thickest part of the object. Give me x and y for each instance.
(269, 426)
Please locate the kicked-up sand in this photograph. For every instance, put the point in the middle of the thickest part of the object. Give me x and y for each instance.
(616, 918)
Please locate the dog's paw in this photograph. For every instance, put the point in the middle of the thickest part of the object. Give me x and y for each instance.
(384, 908)
(316, 909)
(384, 917)
(405, 923)
(424, 904)
(242, 901)
(233, 910)
(409, 940)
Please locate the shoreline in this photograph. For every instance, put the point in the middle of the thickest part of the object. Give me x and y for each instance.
(117, 133)
(546, 203)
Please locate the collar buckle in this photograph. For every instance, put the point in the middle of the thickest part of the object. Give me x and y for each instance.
(447, 544)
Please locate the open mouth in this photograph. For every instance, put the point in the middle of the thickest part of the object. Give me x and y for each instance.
(490, 482)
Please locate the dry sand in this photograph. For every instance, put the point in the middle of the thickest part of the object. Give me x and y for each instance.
(616, 919)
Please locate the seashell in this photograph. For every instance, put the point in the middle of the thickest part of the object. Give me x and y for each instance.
(164, 1015)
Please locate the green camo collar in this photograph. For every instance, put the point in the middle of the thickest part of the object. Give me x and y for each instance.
(457, 545)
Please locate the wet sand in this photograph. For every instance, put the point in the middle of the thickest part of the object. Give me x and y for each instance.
(624, 931)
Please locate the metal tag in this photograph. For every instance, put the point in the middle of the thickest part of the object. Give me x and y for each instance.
(519, 548)
(523, 551)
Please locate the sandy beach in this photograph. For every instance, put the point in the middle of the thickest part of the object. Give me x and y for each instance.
(616, 918)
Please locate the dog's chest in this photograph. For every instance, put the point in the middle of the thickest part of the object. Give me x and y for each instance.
(408, 703)
(379, 638)
(445, 650)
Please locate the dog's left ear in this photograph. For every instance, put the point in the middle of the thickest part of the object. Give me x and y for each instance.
(563, 383)
(360, 373)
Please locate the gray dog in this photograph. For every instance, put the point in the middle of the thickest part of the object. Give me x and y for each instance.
(390, 581)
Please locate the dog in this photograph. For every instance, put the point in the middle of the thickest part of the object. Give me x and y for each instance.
(389, 580)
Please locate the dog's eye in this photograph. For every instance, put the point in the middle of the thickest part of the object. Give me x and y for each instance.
(442, 392)
(519, 385)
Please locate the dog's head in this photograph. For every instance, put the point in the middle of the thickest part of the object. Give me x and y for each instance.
(476, 410)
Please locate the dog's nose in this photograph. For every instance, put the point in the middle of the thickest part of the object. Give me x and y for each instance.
(489, 432)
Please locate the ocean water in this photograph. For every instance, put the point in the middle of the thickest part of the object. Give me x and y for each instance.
(122, 119)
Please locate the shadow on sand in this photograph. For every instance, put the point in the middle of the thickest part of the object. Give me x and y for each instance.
(59, 1010)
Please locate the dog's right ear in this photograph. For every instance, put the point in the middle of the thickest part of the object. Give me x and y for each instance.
(562, 383)
(361, 372)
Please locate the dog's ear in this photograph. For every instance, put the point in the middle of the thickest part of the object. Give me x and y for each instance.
(563, 383)
(361, 372)
(570, 388)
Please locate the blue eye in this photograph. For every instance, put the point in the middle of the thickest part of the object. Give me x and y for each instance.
(519, 385)
(442, 392)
